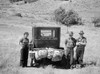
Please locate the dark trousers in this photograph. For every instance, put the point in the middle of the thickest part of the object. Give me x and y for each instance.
(70, 52)
(79, 55)
(24, 56)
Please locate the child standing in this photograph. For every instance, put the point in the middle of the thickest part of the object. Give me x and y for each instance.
(24, 42)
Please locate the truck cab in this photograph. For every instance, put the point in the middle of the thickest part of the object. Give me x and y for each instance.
(45, 44)
(46, 37)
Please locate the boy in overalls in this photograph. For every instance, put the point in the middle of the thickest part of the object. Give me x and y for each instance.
(24, 42)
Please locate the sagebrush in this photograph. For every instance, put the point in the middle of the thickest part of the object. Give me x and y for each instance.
(68, 18)
(96, 21)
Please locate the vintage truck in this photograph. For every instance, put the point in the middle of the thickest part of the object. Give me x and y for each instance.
(45, 46)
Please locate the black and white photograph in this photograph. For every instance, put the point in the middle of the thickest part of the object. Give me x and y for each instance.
(49, 36)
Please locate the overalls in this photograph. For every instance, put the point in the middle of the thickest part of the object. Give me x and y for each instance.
(24, 52)
(70, 43)
(80, 50)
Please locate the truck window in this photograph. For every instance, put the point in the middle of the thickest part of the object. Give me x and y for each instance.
(48, 33)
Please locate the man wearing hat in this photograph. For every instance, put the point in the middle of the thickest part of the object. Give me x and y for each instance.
(70, 43)
(81, 43)
(24, 50)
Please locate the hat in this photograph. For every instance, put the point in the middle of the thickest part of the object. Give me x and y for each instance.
(70, 33)
(81, 32)
(26, 33)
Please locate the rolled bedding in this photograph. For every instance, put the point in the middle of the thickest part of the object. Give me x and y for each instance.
(50, 53)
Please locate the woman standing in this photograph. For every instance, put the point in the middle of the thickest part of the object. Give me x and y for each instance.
(24, 50)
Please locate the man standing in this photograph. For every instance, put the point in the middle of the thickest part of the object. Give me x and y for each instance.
(81, 43)
(70, 43)
(24, 51)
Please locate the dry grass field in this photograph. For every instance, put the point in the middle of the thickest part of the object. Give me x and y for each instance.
(39, 14)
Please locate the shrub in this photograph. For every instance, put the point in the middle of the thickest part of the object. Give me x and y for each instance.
(18, 14)
(96, 21)
(60, 14)
(67, 18)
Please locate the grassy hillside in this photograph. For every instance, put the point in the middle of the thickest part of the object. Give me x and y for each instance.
(39, 14)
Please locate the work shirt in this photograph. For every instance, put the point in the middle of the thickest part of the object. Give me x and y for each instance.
(81, 42)
(70, 42)
(24, 41)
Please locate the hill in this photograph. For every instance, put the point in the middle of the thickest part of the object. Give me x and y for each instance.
(40, 13)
